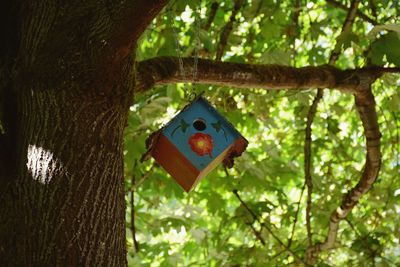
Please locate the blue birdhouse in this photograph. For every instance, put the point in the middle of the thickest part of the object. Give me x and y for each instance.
(194, 142)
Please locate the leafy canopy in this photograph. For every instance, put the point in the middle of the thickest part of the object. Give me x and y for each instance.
(209, 226)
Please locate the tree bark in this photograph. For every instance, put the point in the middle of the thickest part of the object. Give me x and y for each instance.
(67, 81)
(68, 193)
(164, 70)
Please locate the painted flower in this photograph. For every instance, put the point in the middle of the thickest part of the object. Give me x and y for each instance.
(201, 143)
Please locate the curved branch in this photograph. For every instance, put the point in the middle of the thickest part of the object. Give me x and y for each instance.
(365, 105)
(127, 30)
(351, 14)
(165, 70)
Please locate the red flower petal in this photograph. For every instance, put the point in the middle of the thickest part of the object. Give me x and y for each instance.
(201, 144)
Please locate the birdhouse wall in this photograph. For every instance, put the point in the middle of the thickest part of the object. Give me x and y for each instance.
(194, 142)
(181, 130)
(179, 167)
(175, 163)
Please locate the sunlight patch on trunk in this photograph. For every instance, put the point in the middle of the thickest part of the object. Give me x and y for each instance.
(41, 164)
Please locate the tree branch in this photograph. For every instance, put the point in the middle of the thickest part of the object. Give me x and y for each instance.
(165, 70)
(213, 12)
(310, 118)
(365, 105)
(307, 161)
(359, 13)
(373, 8)
(128, 32)
(351, 15)
(223, 39)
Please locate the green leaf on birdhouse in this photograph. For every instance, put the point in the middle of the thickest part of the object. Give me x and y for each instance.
(183, 125)
(218, 127)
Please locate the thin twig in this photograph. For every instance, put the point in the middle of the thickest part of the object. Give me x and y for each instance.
(294, 27)
(252, 32)
(352, 226)
(296, 13)
(269, 230)
(359, 13)
(257, 234)
(144, 176)
(296, 216)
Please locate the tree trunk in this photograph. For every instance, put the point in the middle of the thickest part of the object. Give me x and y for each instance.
(66, 84)
(68, 193)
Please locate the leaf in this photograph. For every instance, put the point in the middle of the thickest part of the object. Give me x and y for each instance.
(276, 56)
(198, 234)
(216, 126)
(205, 39)
(184, 125)
(345, 39)
(333, 126)
(270, 31)
(243, 215)
(394, 103)
(389, 46)
(167, 43)
(366, 244)
(389, 27)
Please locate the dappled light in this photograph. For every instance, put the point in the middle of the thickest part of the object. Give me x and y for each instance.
(42, 164)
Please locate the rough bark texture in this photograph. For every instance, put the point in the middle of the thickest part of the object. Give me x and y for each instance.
(69, 186)
(67, 81)
(164, 70)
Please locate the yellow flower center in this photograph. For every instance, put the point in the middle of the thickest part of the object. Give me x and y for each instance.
(200, 144)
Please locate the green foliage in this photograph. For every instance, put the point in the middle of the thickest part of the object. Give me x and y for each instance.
(209, 226)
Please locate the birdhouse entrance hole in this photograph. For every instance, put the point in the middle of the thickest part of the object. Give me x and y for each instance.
(199, 124)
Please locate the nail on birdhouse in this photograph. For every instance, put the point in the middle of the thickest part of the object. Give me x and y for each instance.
(194, 142)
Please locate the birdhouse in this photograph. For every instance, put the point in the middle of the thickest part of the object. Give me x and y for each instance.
(194, 142)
